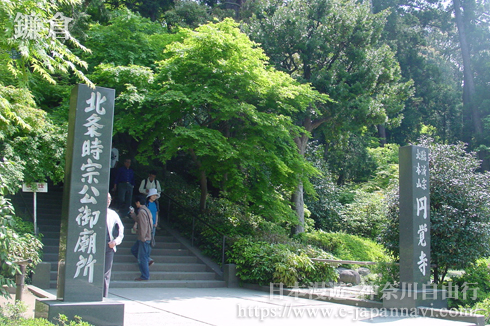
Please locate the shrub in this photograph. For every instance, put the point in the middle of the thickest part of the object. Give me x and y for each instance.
(459, 209)
(483, 308)
(263, 263)
(346, 246)
(11, 315)
(472, 286)
(364, 216)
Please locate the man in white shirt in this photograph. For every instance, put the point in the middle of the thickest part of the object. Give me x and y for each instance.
(114, 156)
(150, 183)
(115, 234)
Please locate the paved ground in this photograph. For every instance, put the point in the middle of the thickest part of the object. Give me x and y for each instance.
(228, 306)
(238, 306)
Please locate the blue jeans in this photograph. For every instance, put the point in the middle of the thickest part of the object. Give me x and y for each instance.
(141, 250)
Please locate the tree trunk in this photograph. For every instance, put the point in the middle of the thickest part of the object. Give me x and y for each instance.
(203, 182)
(469, 84)
(382, 135)
(299, 206)
(297, 200)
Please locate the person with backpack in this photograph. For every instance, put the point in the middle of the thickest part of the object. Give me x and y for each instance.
(150, 183)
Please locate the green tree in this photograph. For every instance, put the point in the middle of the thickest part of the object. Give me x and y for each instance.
(334, 45)
(443, 46)
(421, 35)
(459, 209)
(39, 53)
(191, 14)
(152, 9)
(217, 101)
(25, 130)
(29, 139)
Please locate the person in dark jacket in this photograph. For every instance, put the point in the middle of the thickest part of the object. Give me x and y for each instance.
(124, 184)
(141, 249)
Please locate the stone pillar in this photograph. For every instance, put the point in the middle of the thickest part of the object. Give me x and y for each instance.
(229, 275)
(415, 288)
(84, 210)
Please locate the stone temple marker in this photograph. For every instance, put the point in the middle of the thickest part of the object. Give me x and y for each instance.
(84, 210)
(415, 288)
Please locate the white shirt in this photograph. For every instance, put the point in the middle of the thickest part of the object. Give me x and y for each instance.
(149, 185)
(111, 220)
(114, 157)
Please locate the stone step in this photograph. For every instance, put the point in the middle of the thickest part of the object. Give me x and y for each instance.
(52, 245)
(49, 242)
(50, 250)
(159, 255)
(129, 259)
(159, 245)
(163, 284)
(160, 267)
(156, 275)
(175, 265)
(157, 270)
(51, 234)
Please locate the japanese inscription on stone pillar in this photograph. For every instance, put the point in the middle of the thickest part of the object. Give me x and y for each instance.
(83, 227)
(414, 215)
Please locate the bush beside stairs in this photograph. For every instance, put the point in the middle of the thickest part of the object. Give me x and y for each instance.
(177, 263)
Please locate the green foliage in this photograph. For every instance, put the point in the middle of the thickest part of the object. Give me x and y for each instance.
(386, 160)
(290, 264)
(127, 40)
(483, 307)
(191, 14)
(152, 9)
(38, 155)
(8, 268)
(459, 210)
(472, 287)
(11, 315)
(77, 321)
(325, 206)
(348, 158)
(216, 100)
(18, 113)
(12, 312)
(336, 46)
(365, 216)
(41, 55)
(387, 277)
(15, 245)
(346, 246)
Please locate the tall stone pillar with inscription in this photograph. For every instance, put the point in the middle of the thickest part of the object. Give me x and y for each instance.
(415, 288)
(84, 210)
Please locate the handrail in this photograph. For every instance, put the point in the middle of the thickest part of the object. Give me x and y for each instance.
(194, 217)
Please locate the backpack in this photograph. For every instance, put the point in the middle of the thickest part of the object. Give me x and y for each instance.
(156, 182)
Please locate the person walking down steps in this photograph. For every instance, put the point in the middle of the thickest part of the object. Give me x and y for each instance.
(141, 248)
(154, 207)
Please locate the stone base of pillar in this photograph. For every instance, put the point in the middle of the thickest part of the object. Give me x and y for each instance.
(414, 298)
(95, 313)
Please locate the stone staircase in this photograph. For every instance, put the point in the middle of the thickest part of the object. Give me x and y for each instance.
(177, 263)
